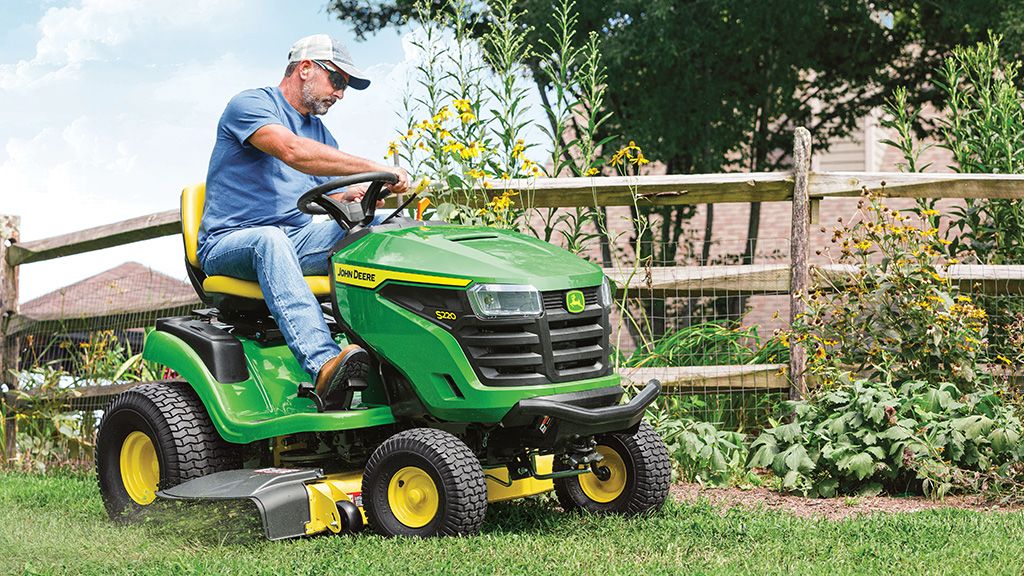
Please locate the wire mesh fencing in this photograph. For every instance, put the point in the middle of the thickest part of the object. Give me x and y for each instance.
(75, 348)
(706, 319)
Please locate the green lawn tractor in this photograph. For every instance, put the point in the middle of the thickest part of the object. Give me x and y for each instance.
(488, 379)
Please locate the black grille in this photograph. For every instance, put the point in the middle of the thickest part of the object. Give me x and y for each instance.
(557, 347)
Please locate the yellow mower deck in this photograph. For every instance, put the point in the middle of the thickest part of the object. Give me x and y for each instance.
(296, 502)
(326, 493)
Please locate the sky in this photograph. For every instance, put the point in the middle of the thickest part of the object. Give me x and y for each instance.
(109, 108)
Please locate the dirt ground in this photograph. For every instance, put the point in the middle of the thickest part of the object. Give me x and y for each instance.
(830, 508)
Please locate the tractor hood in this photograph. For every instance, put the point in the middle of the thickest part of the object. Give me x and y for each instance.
(483, 255)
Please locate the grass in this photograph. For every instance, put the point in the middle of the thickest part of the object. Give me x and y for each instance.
(56, 525)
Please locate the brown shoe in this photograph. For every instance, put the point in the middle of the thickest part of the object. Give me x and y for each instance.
(352, 362)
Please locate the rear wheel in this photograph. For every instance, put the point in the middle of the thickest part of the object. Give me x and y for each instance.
(634, 476)
(155, 436)
(424, 482)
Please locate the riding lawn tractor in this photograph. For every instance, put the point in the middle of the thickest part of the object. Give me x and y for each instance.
(488, 378)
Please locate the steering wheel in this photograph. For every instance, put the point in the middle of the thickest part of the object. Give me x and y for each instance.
(348, 215)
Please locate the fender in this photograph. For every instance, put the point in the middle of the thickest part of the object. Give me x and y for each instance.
(256, 408)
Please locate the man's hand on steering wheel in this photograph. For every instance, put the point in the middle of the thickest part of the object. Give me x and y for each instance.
(402, 185)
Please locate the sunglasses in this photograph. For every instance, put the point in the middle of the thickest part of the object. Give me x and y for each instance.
(338, 79)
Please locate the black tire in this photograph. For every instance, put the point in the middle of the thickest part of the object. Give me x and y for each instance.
(173, 418)
(648, 473)
(461, 494)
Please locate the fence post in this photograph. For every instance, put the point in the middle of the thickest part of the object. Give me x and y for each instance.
(799, 252)
(8, 308)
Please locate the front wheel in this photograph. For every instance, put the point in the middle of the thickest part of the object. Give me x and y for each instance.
(424, 482)
(633, 478)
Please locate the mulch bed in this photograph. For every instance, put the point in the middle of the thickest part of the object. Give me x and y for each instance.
(829, 508)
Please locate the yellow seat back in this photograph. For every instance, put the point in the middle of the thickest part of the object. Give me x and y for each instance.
(192, 200)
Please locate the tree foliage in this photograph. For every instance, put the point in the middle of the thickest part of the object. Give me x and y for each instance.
(719, 85)
(712, 84)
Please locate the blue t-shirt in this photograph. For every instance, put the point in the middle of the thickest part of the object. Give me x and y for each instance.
(246, 187)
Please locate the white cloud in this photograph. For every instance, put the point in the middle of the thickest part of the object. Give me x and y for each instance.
(96, 29)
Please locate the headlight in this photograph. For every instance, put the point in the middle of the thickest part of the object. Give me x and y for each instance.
(505, 300)
(606, 293)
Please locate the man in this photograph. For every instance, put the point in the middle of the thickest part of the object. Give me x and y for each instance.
(270, 148)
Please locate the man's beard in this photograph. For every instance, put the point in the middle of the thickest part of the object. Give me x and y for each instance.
(316, 106)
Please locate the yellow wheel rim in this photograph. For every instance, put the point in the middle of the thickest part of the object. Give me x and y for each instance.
(140, 469)
(606, 490)
(412, 496)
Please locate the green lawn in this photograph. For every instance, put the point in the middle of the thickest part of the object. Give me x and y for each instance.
(56, 525)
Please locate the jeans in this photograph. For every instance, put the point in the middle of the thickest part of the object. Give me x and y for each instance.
(278, 258)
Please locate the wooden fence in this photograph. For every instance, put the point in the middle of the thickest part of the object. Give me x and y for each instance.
(805, 189)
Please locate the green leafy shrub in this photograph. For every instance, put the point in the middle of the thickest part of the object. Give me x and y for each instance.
(701, 452)
(868, 437)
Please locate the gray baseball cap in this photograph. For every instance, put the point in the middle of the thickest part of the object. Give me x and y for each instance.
(323, 47)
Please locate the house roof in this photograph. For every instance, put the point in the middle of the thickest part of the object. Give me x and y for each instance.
(126, 289)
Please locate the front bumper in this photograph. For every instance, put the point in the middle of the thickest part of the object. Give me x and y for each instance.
(550, 423)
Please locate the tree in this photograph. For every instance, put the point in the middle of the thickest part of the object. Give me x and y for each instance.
(712, 85)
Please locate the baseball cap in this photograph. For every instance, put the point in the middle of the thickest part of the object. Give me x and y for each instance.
(323, 47)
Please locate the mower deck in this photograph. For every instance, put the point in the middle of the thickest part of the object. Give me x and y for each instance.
(305, 501)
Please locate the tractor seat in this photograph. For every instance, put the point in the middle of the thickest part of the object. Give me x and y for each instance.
(192, 200)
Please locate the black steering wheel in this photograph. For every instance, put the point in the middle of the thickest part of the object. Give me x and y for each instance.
(349, 214)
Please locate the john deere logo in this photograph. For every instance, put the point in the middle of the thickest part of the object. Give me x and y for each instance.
(574, 301)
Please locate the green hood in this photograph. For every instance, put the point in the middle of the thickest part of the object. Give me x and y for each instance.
(485, 255)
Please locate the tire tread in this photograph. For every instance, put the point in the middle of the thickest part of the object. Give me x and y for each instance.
(460, 472)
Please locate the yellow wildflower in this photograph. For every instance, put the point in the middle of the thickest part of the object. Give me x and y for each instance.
(518, 149)
(592, 171)
(462, 105)
(442, 115)
(467, 117)
(502, 203)
(472, 151)
(626, 153)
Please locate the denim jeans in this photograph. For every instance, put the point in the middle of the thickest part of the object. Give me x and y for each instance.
(278, 258)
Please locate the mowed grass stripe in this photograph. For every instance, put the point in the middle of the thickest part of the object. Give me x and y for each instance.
(56, 525)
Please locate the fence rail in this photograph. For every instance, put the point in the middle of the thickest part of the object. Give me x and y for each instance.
(804, 188)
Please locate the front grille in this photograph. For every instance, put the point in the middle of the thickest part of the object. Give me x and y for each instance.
(557, 347)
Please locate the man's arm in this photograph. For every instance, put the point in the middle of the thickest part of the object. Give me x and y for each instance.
(312, 157)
